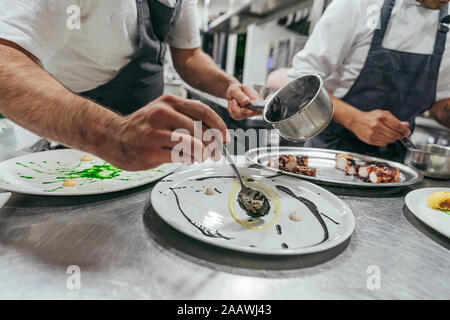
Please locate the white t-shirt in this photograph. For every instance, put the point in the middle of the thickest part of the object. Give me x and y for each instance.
(83, 59)
(338, 47)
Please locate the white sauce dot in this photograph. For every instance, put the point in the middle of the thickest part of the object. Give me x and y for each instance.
(70, 183)
(210, 191)
(295, 216)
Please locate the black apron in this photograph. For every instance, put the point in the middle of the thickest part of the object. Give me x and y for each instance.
(141, 80)
(403, 83)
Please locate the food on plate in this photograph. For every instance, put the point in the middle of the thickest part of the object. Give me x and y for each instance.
(210, 191)
(342, 160)
(439, 200)
(295, 216)
(294, 164)
(306, 171)
(254, 203)
(365, 169)
(87, 158)
(384, 175)
(374, 172)
(70, 183)
(352, 168)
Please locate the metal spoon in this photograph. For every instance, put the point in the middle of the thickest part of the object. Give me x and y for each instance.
(408, 143)
(253, 202)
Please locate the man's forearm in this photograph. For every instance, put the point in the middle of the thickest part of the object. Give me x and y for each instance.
(344, 113)
(200, 71)
(32, 98)
(441, 112)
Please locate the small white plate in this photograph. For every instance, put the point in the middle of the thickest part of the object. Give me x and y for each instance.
(44, 173)
(416, 201)
(4, 197)
(181, 201)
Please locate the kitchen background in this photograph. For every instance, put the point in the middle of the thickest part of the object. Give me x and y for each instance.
(251, 38)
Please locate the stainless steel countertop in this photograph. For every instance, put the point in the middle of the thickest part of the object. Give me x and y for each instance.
(124, 250)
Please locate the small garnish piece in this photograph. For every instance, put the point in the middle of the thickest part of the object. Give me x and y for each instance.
(87, 158)
(70, 183)
(295, 216)
(439, 200)
(210, 191)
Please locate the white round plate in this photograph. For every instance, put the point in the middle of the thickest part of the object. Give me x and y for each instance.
(44, 173)
(4, 197)
(181, 201)
(416, 201)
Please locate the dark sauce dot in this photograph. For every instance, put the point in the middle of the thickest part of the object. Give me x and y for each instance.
(284, 246)
(278, 229)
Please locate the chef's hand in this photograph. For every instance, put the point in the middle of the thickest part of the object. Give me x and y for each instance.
(379, 127)
(240, 96)
(143, 140)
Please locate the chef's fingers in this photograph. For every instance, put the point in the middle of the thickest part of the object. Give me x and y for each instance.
(388, 134)
(238, 94)
(392, 122)
(171, 120)
(240, 113)
(406, 124)
(181, 157)
(184, 148)
(200, 111)
(161, 149)
(237, 112)
(164, 155)
(252, 94)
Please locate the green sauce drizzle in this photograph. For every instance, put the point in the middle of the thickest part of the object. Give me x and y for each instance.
(93, 174)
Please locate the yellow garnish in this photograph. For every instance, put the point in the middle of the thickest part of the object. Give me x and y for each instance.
(439, 200)
(87, 157)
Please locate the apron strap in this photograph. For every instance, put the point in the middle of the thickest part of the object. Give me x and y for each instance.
(441, 36)
(385, 16)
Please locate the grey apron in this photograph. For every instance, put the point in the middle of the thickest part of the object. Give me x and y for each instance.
(141, 80)
(403, 83)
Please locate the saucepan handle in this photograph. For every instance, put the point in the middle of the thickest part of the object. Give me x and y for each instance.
(257, 104)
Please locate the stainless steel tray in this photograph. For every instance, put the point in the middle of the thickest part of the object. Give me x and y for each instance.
(323, 160)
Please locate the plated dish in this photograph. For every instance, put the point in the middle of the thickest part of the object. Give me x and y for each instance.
(303, 217)
(71, 173)
(421, 202)
(334, 167)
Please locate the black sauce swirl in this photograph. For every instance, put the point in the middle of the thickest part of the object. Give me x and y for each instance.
(214, 177)
(213, 233)
(311, 206)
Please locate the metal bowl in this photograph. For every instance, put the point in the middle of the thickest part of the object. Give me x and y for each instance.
(431, 159)
(301, 109)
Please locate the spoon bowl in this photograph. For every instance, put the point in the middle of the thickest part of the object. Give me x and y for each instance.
(252, 201)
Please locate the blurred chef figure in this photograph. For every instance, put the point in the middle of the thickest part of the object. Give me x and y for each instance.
(385, 62)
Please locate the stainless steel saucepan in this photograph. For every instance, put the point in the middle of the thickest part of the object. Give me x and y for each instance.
(431, 159)
(299, 110)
